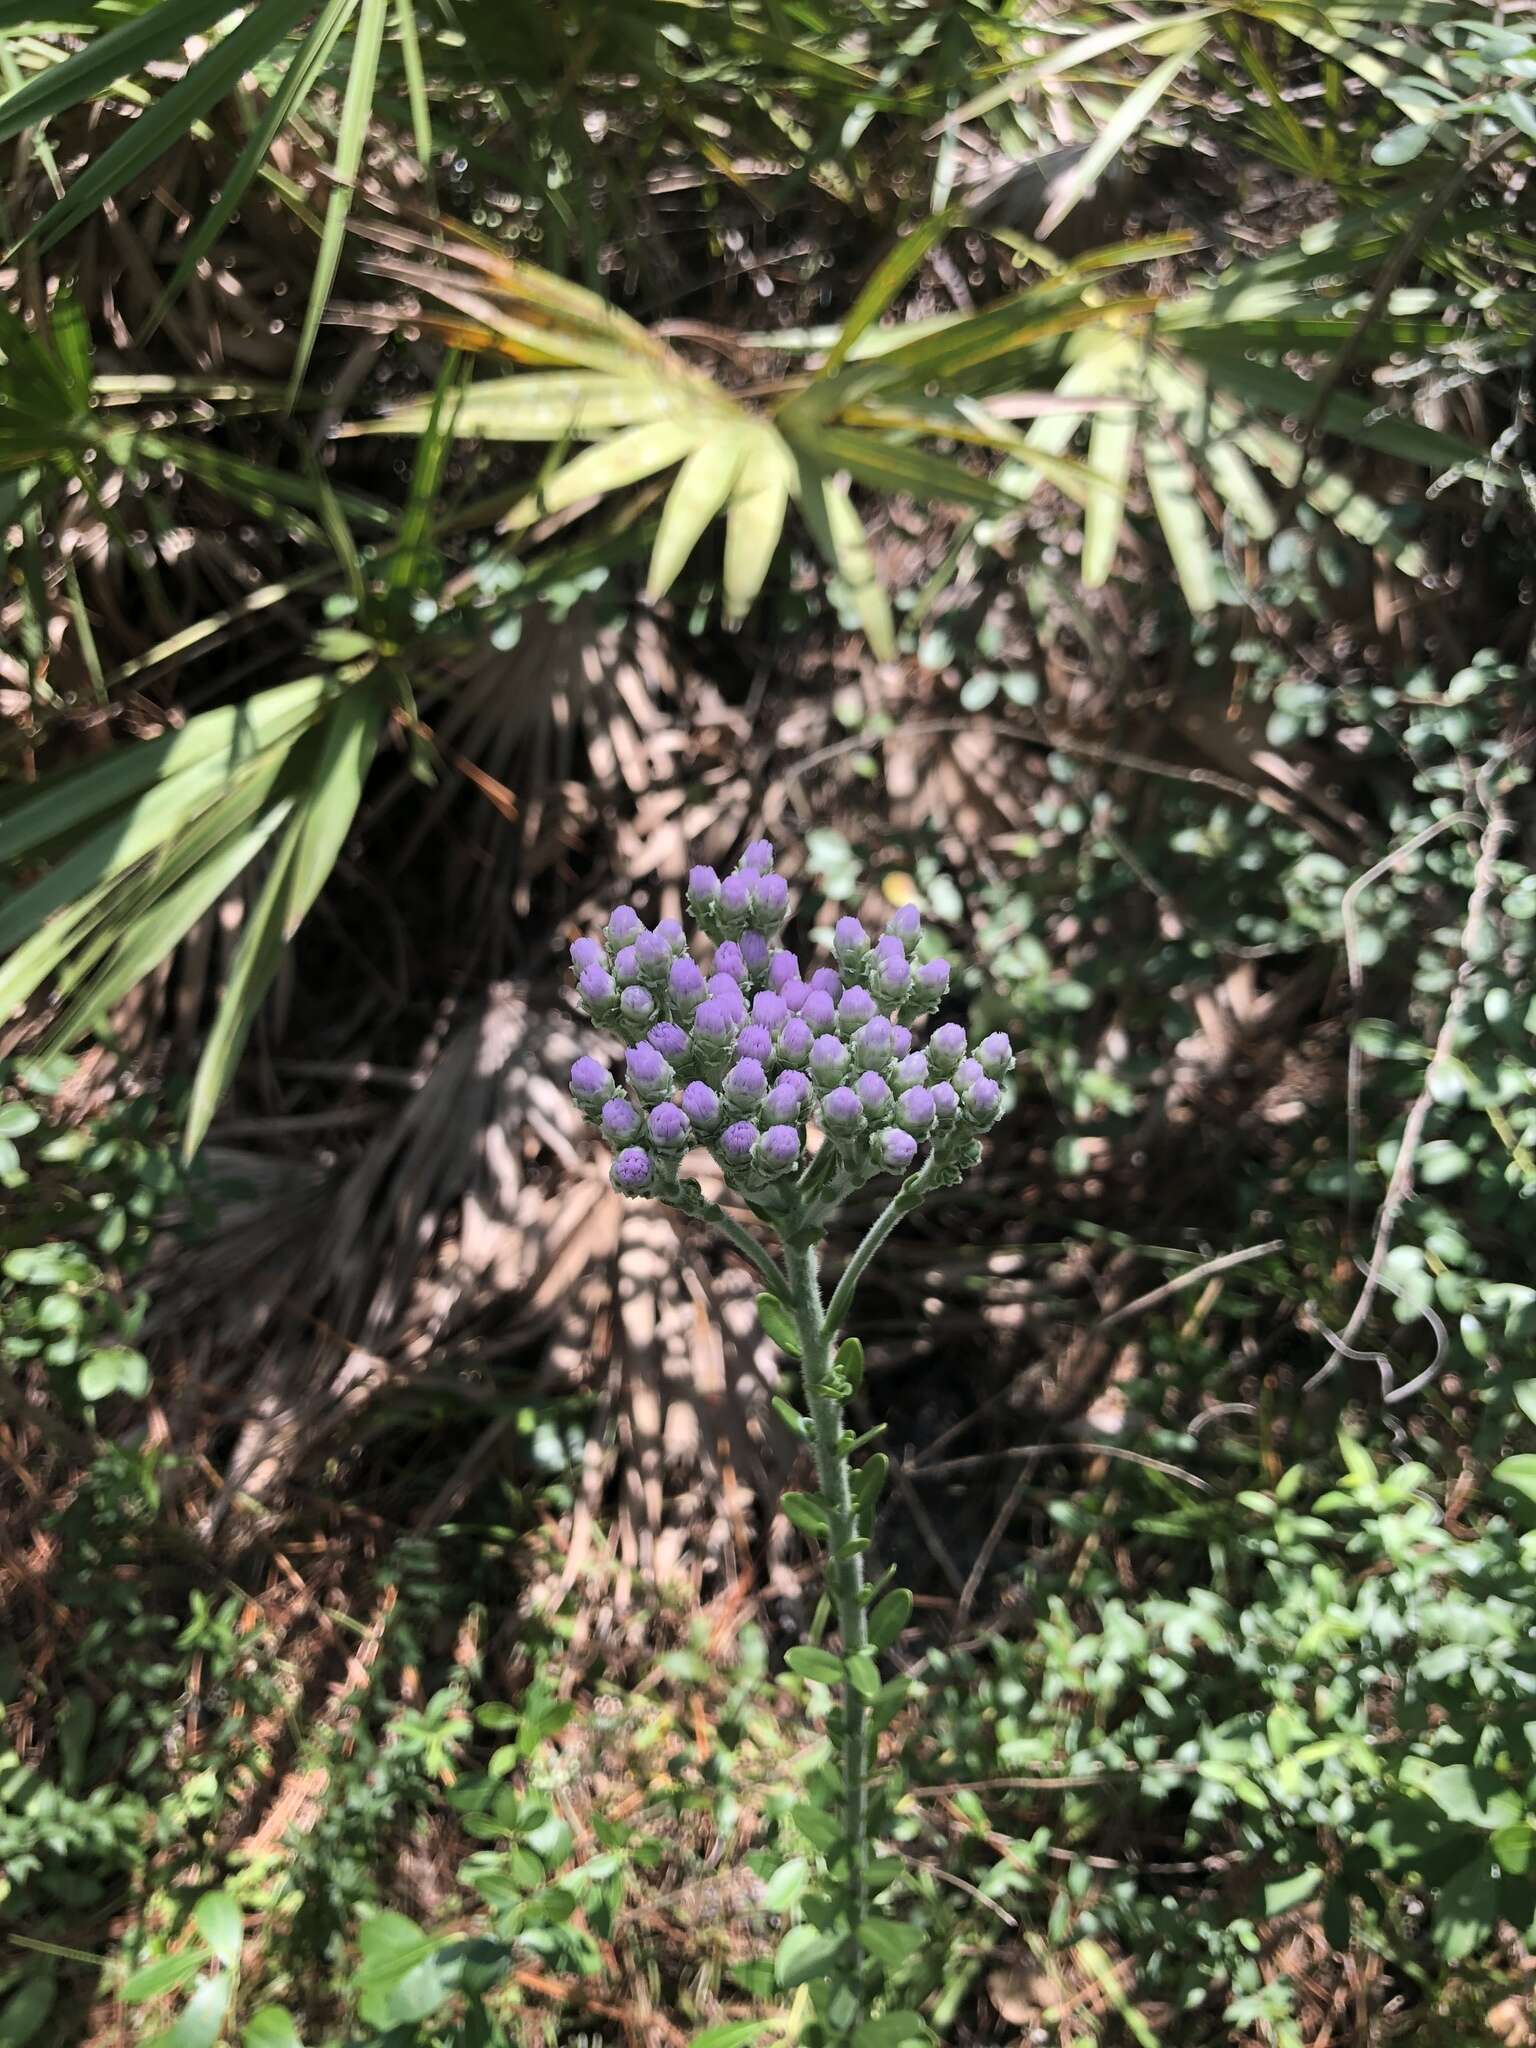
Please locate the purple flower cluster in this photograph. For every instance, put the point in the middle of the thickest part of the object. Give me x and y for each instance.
(745, 1053)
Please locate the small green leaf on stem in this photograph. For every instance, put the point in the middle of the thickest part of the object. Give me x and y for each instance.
(889, 1618)
(850, 1362)
(864, 1676)
(778, 1323)
(807, 1514)
(819, 1664)
(792, 1419)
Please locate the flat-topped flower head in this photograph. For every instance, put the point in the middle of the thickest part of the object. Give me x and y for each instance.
(795, 1042)
(649, 1074)
(981, 1103)
(874, 1095)
(736, 1143)
(591, 1083)
(894, 1150)
(777, 1151)
(701, 1106)
(670, 1040)
(633, 1171)
(995, 1055)
(830, 1060)
(622, 1122)
(669, 1128)
(745, 1085)
(771, 1056)
(623, 927)
(906, 925)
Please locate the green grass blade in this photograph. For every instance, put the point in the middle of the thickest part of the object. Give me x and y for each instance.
(1118, 130)
(289, 94)
(540, 405)
(890, 274)
(415, 81)
(256, 962)
(346, 746)
(63, 805)
(158, 32)
(151, 133)
(1111, 444)
(352, 134)
(889, 466)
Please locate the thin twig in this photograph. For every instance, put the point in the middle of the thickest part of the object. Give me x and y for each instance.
(995, 1535)
(1244, 1256)
(1400, 1186)
(950, 1467)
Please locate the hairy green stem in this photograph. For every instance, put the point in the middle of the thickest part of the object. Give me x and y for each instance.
(744, 1241)
(902, 1203)
(845, 1573)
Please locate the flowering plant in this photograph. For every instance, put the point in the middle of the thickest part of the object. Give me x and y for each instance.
(803, 1086)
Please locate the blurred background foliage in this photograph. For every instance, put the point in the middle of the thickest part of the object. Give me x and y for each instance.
(459, 462)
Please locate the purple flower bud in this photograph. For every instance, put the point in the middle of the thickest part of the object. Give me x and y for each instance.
(591, 1082)
(637, 1006)
(701, 1105)
(745, 1085)
(967, 1073)
(783, 968)
(931, 983)
(631, 1171)
(946, 1103)
(728, 960)
(946, 1048)
(770, 902)
(649, 1075)
(754, 952)
(669, 929)
(670, 1040)
(758, 857)
(795, 1041)
(595, 987)
(728, 992)
(915, 1111)
(621, 1121)
(850, 942)
(891, 978)
(902, 1038)
(794, 992)
(669, 1128)
(736, 1142)
(685, 986)
(788, 1099)
(907, 925)
(819, 1010)
(982, 1101)
(778, 1149)
(626, 966)
(911, 1072)
(874, 1043)
(874, 1096)
(654, 956)
(895, 1150)
(829, 1060)
(624, 926)
(587, 953)
(889, 947)
(995, 1055)
(829, 981)
(769, 1010)
(712, 1023)
(841, 1112)
(736, 897)
(855, 1009)
(755, 1043)
(703, 890)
